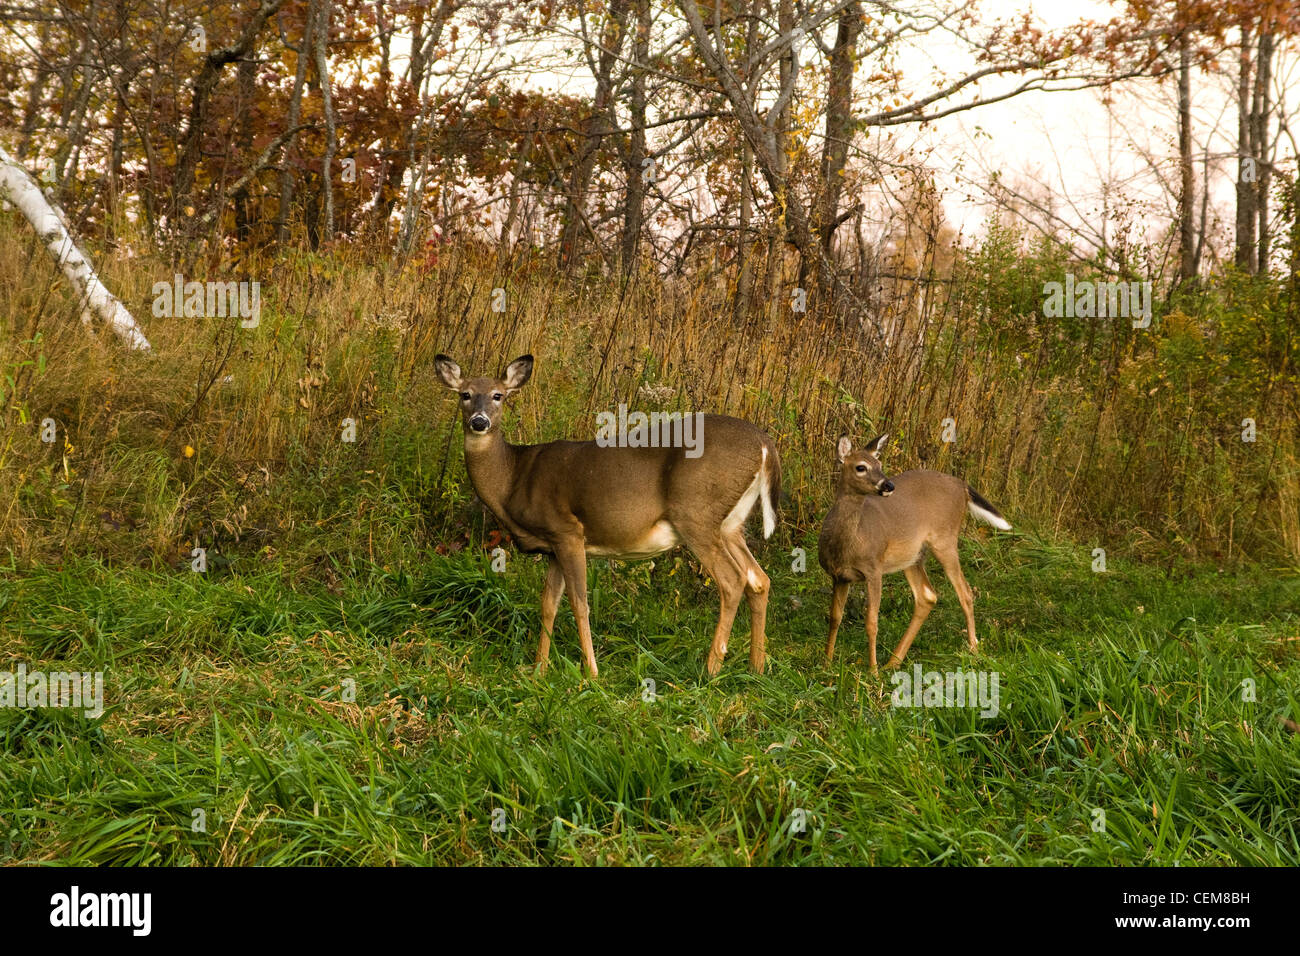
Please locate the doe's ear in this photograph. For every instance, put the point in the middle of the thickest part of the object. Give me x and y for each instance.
(875, 446)
(447, 370)
(518, 372)
(842, 448)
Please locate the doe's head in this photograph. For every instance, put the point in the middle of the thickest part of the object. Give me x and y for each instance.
(860, 469)
(482, 399)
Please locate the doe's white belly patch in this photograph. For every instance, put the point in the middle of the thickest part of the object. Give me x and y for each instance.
(660, 538)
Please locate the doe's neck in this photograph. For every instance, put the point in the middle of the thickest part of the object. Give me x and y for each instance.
(490, 461)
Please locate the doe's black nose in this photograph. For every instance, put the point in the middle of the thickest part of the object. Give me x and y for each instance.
(887, 487)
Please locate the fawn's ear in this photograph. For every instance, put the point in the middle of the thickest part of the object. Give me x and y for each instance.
(874, 447)
(842, 449)
(447, 370)
(518, 372)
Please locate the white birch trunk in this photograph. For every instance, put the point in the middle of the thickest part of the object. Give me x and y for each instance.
(19, 188)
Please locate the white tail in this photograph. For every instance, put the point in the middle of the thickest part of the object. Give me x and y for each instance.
(759, 490)
(988, 516)
(769, 513)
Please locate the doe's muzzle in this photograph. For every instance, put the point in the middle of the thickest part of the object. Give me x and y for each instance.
(887, 488)
(479, 423)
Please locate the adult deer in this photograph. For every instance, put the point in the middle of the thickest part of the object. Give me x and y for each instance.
(879, 525)
(574, 499)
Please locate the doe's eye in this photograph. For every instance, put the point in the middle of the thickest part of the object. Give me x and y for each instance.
(464, 396)
(496, 397)
(862, 469)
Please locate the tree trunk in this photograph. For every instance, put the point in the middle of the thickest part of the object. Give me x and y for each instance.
(295, 111)
(744, 268)
(776, 177)
(381, 202)
(418, 77)
(75, 134)
(744, 245)
(839, 120)
(575, 209)
(205, 83)
(244, 141)
(1246, 161)
(1187, 189)
(321, 57)
(36, 95)
(1263, 149)
(18, 187)
(768, 140)
(117, 157)
(633, 209)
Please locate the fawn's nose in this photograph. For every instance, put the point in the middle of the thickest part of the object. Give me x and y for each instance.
(479, 423)
(886, 488)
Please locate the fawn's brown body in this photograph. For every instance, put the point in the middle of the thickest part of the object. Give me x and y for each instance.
(880, 525)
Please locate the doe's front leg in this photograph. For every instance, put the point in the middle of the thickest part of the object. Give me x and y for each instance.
(572, 557)
(552, 592)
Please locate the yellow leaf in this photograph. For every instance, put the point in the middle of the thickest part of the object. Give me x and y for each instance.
(189, 451)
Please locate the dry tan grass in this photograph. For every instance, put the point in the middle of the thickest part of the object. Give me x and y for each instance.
(222, 432)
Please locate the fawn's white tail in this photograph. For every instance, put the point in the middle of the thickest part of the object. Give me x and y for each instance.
(984, 511)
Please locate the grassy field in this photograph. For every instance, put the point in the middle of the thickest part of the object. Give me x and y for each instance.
(1122, 735)
(350, 681)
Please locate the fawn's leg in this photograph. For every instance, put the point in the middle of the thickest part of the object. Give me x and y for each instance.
(839, 597)
(873, 613)
(947, 556)
(924, 597)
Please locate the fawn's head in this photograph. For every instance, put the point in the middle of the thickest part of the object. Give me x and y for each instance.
(482, 399)
(860, 470)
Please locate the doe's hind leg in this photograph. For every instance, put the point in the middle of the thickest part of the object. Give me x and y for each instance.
(758, 588)
(722, 567)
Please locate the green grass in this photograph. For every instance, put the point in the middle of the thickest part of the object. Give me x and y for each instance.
(1120, 692)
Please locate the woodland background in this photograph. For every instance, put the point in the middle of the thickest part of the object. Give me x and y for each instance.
(380, 168)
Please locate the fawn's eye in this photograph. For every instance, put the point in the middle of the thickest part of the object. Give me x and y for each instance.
(497, 396)
(464, 396)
